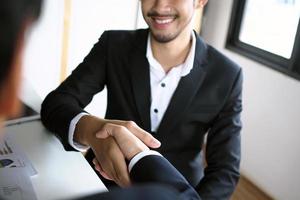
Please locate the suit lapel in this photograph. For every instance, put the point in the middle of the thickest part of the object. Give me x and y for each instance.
(186, 90)
(140, 78)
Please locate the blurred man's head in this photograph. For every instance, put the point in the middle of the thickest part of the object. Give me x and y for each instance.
(16, 16)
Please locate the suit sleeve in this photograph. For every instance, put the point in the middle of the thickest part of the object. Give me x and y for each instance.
(156, 169)
(223, 148)
(140, 192)
(70, 98)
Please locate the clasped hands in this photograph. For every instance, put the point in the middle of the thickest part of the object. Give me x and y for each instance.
(114, 142)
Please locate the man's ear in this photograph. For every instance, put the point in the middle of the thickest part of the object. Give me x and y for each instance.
(9, 88)
(200, 3)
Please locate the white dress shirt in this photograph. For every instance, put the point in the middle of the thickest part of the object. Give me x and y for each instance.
(163, 86)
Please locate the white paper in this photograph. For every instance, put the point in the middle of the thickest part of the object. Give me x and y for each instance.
(15, 184)
(12, 157)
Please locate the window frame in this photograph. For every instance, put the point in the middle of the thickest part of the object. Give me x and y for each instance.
(290, 67)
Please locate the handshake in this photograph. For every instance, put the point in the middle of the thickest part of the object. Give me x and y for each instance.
(113, 142)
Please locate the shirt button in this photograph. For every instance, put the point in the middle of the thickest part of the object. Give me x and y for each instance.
(155, 110)
(163, 85)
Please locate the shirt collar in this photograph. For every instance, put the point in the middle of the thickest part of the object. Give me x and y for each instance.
(186, 67)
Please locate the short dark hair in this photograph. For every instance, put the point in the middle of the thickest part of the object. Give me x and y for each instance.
(13, 15)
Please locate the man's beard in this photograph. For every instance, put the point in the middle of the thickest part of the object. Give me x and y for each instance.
(162, 38)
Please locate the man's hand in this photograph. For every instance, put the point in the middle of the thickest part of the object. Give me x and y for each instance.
(129, 144)
(112, 161)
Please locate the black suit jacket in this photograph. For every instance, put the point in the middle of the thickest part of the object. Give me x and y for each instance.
(153, 178)
(208, 100)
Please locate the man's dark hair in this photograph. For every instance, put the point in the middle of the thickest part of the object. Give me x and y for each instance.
(13, 16)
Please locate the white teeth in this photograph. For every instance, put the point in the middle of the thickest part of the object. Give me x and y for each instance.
(164, 21)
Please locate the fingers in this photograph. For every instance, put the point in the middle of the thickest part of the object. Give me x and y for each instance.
(110, 162)
(100, 170)
(116, 169)
(122, 175)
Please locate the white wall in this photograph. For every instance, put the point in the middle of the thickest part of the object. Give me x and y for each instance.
(43, 49)
(43, 54)
(271, 133)
(89, 18)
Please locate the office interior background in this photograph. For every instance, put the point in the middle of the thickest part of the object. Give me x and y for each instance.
(271, 130)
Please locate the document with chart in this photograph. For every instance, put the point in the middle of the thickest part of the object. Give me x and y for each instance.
(15, 172)
(15, 185)
(12, 157)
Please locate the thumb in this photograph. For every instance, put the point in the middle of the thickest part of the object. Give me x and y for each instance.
(146, 137)
(102, 134)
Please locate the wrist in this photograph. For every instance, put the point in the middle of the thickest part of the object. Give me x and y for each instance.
(86, 128)
(135, 152)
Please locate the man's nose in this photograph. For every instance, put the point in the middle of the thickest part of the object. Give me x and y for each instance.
(162, 6)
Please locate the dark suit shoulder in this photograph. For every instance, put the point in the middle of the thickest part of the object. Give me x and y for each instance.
(126, 34)
(124, 39)
(221, 63)
(221, 73)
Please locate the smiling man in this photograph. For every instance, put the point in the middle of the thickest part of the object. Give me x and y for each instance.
(16, 18)
(166, 81)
